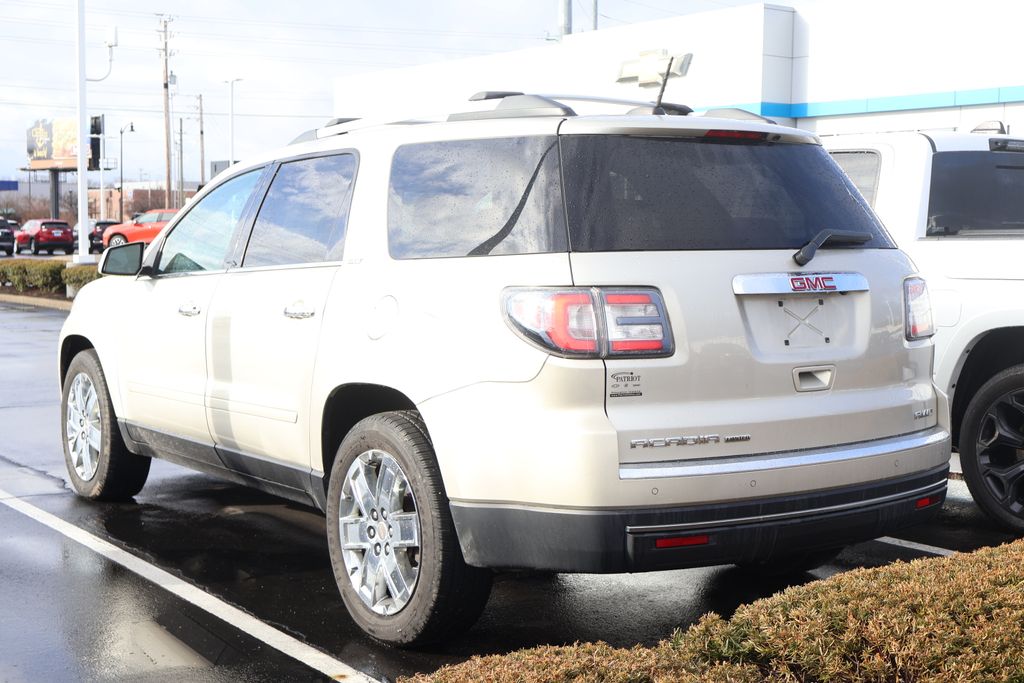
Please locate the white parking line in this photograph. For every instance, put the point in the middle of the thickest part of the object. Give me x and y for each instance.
(931, 549)
(294, 648)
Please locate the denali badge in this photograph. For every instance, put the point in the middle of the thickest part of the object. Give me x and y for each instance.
(699, 440)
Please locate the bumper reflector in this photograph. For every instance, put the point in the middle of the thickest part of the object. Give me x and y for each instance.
(681, 541)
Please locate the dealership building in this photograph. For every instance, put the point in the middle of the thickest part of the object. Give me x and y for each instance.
(831, 66)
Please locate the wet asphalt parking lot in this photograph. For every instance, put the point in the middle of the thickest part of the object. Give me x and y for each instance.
(202, 580)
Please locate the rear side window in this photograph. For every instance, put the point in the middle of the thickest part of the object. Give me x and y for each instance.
(476, 198)
(644, 193)
(305, 213)
(976, 193)
(862, 168)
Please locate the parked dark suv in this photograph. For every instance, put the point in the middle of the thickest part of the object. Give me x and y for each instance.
(6, 237)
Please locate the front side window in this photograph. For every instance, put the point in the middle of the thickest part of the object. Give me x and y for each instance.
(976, 193)
(476, 198)
(305, 213)
(626, 193)
(201, 240)
(147, 218)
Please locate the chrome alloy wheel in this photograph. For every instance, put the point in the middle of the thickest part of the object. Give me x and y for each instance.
(82, 426)
(380, 532)
(1000, 450)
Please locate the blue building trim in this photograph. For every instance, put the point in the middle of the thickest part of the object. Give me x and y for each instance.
(874, 105)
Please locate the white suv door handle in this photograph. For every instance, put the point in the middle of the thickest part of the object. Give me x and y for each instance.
(298, 311)
(188, 309)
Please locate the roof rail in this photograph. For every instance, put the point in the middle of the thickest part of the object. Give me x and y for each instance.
(737, 113)
(639, 106)
(512, 106)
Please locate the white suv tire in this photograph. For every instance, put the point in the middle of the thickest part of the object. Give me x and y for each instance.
(991, 439)
(444, 595)
(99, 465)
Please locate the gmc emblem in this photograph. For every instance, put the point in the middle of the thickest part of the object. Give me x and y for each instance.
(816, 283)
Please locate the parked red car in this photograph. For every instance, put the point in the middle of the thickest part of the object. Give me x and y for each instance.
(45, 235)
(143, 229)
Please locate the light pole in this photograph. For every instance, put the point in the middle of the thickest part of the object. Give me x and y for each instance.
(120, 188)
(231, 120)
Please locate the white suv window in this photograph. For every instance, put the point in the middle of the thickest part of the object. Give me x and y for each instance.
(305, 213)
(476, 198)
(201, 240)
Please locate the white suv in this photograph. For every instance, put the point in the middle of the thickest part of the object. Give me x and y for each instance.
(522, 338)
(955, 203)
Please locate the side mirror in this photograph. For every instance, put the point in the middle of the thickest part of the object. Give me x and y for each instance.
(124, 259)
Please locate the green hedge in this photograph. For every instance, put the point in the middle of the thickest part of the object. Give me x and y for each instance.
(959, 618)
(23, 274)
(79, 276)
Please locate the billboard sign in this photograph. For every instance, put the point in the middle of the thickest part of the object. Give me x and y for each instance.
(53, 143)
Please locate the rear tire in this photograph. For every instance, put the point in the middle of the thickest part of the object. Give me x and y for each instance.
(992, 448)
(99, 464)
(446, 596)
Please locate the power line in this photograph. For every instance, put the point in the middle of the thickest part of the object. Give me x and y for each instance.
(296, 24)
(117, 108)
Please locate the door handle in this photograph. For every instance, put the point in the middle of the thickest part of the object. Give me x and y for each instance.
(298, 312)
(189, 309)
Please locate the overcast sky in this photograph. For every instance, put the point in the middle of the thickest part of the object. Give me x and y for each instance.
(287, 54)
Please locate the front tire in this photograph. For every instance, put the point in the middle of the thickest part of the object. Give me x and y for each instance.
(394, 550)
(117, 240)
(992, 448)
(99, 464)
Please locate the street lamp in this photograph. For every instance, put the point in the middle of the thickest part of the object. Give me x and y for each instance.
(231, 120)
(120, 188)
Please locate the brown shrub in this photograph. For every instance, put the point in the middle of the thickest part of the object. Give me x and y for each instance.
(959, 618)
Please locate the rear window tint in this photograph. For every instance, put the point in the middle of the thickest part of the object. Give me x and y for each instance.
(976, 193)
(660, 194)
(476, 198)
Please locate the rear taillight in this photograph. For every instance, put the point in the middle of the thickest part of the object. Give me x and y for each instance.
(917, 308)
(591, 322)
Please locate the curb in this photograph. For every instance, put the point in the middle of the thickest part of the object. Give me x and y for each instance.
(38, 302)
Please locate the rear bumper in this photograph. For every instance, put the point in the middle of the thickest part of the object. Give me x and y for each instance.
(606, 541)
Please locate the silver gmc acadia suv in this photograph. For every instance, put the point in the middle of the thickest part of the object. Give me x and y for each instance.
(523, 338)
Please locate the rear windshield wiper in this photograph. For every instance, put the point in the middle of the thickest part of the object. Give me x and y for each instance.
(807, 252)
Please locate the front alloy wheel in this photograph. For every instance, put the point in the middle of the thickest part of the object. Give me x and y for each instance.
(82, 427)
(118, 240)
(992, 448)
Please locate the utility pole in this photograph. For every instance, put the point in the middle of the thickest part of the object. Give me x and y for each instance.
(181, 164)
(164, 21)
(202, 149)
(566, 17)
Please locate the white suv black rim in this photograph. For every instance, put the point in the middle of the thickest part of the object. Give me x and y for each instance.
(380, 532)
(82, 426)
(1000, 450)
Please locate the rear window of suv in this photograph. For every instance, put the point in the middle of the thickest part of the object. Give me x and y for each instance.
(976, 193)
(626, 193)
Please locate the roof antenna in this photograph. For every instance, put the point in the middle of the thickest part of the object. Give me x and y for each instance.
(661, 93)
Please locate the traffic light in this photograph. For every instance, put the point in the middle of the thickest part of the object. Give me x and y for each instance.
(95, 133)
